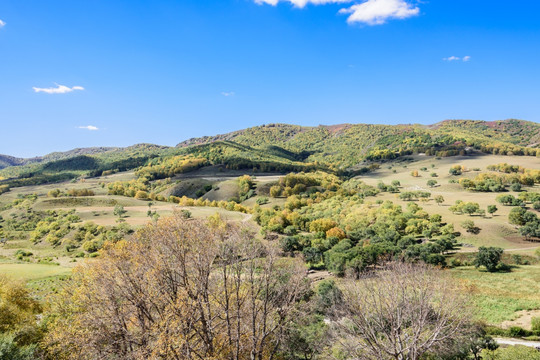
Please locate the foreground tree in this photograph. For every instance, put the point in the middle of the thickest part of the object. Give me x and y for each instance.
(183, 289)
(19, 326)
(401, 312)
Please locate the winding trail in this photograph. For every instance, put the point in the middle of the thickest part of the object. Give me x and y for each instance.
(505, 341)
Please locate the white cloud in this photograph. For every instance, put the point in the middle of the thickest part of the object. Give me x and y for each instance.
(457, 58)
(227, 94)
(301, 3)
(452, 58)
(2, 24)
(89, 127)
(377, 12)
(59, 89)
(370, 12)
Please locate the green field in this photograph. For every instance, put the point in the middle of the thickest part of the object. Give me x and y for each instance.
(499, 296)
(32, 272)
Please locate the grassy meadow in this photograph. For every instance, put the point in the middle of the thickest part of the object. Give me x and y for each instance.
(499, 297)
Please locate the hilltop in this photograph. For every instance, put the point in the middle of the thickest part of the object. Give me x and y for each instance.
(344, 148)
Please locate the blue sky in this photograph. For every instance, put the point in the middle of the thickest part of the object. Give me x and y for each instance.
(120, 72)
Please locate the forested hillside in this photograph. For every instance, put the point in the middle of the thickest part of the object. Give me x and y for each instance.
(346, 145)
(344, 149)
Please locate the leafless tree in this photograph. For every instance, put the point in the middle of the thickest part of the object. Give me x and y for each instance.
(184, 289)
(400, 312)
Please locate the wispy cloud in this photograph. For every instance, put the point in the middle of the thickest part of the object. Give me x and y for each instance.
(457, 58)
(2, 23)
(89, 127)
(370, 12)
(227, 94)
(377, 12)
(59, 89)
(302, 3)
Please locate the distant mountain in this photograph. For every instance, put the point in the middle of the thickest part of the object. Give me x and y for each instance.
(344, 148)
(6, 160)
(85, 161)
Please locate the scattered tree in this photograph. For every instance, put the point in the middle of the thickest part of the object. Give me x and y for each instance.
(489, 257)
(492, 209)
(119, 211)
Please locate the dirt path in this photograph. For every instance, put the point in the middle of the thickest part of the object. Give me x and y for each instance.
(87, 209)
(529, 248)
(504, 341)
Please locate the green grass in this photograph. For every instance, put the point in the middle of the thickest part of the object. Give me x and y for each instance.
(42, 280)
(32, 272)
(497, 296)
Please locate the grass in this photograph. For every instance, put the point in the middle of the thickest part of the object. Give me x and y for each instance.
(33, 272)
(495, 231)
(42, 280)
(498, 296)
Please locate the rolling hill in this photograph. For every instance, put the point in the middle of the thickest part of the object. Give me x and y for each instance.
(340, 148)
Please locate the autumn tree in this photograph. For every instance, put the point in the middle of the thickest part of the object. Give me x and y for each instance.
(20, 330)
(275, 191)
(183, 289)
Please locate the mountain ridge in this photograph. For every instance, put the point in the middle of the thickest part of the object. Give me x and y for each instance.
(340, 148)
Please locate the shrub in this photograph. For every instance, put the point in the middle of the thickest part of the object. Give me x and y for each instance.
(455, 262)
(456, 170)
(262, 200)
(141, 195)
(516, 187)
(185, 214)
(275, 191)
(535, 324)
(516, 331)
